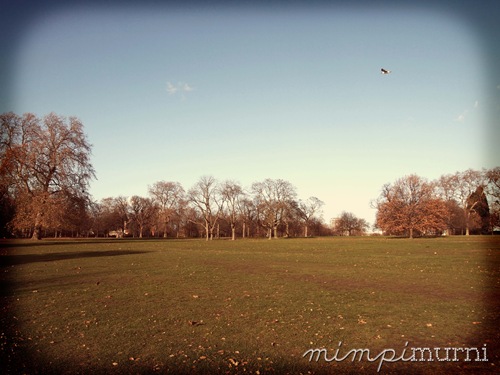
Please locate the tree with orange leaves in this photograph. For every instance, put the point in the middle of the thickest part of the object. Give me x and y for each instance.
(42, 159)
(410, 205)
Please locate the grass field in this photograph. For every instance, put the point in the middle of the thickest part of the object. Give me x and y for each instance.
(248, 306)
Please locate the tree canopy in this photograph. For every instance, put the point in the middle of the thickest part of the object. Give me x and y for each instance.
(45, 166)
(46, 171)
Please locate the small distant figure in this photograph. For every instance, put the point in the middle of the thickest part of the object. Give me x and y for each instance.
(384, 71)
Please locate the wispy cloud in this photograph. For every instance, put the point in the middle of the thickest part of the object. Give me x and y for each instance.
(187, 88)
(462, 116)
(180, 87)
(171, 89)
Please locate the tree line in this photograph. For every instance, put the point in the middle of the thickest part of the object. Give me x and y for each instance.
(45, 173)
(460, 203)
(210, 209)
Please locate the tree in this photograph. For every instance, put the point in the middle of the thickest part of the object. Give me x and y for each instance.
(272, 198)
(232, 194)
(169, 197)
(122, 207)
(459, 187)
(477, 204)
(248, 215)
(10, 127)
(43, 158)
(493, 191)
(410, 205)
(207, 201)
(349, 224)
(307, 211)
(143, 211)
(7, 211)
(110, 215)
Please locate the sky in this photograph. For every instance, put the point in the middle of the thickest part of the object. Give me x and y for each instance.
(245, 93)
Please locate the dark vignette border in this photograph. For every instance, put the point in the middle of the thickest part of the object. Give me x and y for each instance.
(482, 16)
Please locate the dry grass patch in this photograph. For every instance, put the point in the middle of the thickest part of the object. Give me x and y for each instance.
(245, 306)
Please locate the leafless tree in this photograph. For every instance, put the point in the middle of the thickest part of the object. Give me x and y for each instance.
(143, 211)
(308, 210)
(122, 207)
(169, 197)
(248, 215)
(348, 223)
(206, 199)
(272, 199)
(493, 190)
(459, 187)
(232, 194)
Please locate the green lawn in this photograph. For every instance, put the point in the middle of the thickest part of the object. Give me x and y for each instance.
(248, 306)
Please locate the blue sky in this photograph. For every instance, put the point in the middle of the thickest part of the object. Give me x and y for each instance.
(247, 93)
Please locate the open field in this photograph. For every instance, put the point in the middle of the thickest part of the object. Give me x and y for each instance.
(252, 306)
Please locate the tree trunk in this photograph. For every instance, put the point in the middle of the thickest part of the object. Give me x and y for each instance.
(243, 231)
(411, 232)
(37, 231)
(305, 232)
(233, 232)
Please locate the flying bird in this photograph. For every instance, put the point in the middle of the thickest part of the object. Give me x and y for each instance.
(384, 71)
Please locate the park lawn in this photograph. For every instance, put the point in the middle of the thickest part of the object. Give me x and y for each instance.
(246, 306)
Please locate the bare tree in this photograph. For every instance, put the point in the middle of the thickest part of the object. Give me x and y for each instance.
(143, 211)
(248, 215)
(232, 193)
(308, 210)
(272, 198)
(42, 158)
(169, 197)
(349, 224)
(122, 207)
(459, 187)
(206, 199)
(493, 190)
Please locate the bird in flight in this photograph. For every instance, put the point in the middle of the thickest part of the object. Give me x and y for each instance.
(384, 71)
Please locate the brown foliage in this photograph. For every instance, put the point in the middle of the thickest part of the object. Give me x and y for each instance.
(43, 161)
(410, 205)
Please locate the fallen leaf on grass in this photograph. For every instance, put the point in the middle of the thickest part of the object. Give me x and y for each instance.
(235, 363)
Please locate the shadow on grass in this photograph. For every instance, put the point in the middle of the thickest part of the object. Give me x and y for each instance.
(13, 243)
(11, 260)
